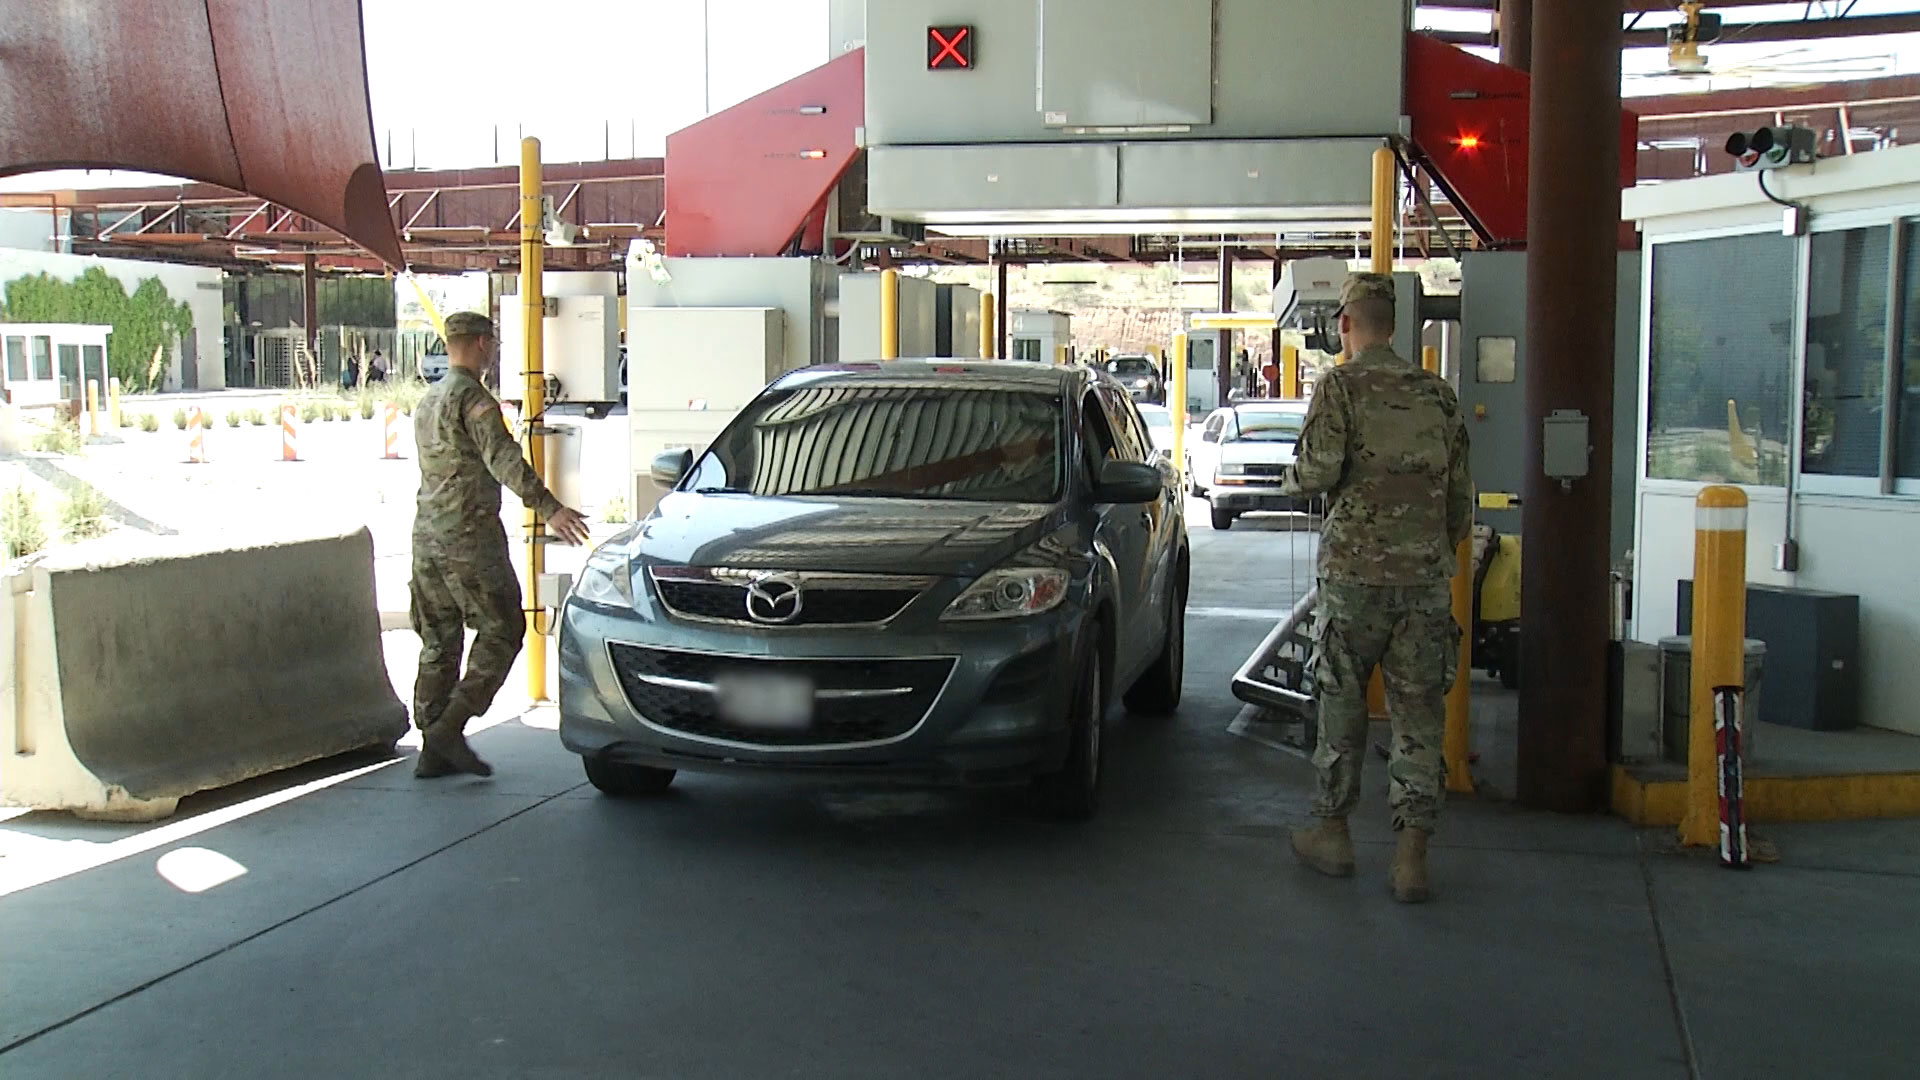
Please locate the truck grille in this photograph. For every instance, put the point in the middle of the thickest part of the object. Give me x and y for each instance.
(856, 701)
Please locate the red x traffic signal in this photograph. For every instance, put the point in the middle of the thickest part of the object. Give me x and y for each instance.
(949, 48)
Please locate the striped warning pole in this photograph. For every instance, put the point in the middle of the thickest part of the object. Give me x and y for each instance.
(289, 435)
(393, 431)
(1719, 674)
(197, 436)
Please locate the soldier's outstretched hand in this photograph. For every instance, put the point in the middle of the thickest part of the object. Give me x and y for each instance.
(567, 524)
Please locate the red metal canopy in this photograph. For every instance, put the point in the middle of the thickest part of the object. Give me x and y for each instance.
(265, 98)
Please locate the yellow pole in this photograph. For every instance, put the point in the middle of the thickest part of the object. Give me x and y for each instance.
(1719, 645)
(533, 324)
(1289, 371)
(1456, 746)
(1177, 400)
(889, 314)
(1430, 358)
(93, 406)
(1059, 356)
(1385, 200)
(113, 402)
(989, 341)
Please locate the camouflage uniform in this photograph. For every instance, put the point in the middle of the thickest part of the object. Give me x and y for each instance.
(1384, 440)
(462, 577)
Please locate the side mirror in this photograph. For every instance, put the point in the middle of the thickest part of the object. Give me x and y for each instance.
(1209, 436)
(1124, 482)
(670, 466)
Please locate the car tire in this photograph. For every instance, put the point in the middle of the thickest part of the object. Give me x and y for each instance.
(624, 781)
(1073, 793)
(1223, 519)
(1193, 482)
(1158, 691)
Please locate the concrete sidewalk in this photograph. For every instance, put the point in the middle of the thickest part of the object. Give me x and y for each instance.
(525, 926)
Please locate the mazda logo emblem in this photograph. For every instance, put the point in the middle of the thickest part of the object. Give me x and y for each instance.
(773, 599)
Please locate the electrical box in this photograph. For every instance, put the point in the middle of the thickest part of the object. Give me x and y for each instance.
(1813, 652)
(1564, 445)
(696, 368)
(860, 318)
(581, 350)
(957, 322)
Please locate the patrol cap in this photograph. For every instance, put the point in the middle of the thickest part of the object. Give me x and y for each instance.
(469, 324)
(1366, 287)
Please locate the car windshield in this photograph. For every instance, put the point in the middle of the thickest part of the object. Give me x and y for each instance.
(985, 442)
(1258, 426)
(1155, 418)
(1132, 365)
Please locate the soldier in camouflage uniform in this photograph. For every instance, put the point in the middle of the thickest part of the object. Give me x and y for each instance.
(462, 577)
(1384, 440)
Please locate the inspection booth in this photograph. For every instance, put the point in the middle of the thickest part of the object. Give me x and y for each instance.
(1785, 359)
(50, 363)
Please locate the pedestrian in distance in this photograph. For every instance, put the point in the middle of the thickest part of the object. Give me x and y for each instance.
(1385, 442)
(462, 576)
(377, 369)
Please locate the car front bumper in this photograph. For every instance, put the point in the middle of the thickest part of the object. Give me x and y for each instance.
(1001, 713)
(1243, 498)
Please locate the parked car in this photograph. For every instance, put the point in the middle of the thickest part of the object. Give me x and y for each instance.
(1237, 461)
(1141, 376)
(930, 570)
(433, 363)
(1159, 422)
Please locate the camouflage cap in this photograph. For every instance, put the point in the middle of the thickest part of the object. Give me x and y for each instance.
(469, 324)
(1366, 287)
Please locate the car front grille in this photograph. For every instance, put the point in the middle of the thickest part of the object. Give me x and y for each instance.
(856, 701)
(1273, 472)
(827, 600)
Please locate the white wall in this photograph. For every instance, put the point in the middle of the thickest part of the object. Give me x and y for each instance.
(1859, 546)
(199, 287)
(30, 230)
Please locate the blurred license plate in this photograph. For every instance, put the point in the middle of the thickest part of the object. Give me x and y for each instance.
(765, 701)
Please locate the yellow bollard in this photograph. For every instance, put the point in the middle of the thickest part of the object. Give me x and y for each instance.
(1457, 746)
(989, 341)
(533, 310)
(1059, 356)
(1719, 645)
(1177, 400)
(1430, 358)
(889, 314)
(93, 406)
(113, 403)
(1290, 372)
(1385, 201)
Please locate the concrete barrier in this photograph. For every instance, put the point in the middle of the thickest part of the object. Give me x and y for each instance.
(134, 677)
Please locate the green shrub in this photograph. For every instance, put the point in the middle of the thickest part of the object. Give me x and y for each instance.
(62, 438)
(129, 419)
(149, 422)
(615, 512)
(256, 417)
(83, 513)
(21, 531)
(180, 419)
(233, 419)
(309, 412)
(366, 408)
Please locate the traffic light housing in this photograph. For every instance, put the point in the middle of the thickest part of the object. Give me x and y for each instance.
(1770, 148)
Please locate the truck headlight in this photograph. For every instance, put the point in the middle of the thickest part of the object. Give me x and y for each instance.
(607, 578)
(1232, 469)
(1142, 384)
(1009, 593)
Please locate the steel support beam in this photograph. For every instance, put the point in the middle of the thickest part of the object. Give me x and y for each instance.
(1516, 34)
(310, 308)
(1573, 216)
(1006, 305)
(1223, 347)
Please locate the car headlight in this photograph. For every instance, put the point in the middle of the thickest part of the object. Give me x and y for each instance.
(1010, 593)
(607, 577)
(1142, 384)
(1232, 469)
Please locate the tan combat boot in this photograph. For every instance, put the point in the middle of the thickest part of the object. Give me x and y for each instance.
(444, 750)
(1408, 877)
(1327, 847)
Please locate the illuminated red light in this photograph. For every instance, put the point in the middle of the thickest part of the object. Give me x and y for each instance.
(1467, 142)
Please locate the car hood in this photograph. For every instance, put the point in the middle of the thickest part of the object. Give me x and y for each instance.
(1256, 453)
(944, 537)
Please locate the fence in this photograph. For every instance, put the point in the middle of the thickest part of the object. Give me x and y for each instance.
(278, 359)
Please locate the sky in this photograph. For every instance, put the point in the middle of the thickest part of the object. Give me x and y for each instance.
(615, 77)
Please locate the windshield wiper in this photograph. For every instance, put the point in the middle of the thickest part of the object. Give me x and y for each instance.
(721, 491)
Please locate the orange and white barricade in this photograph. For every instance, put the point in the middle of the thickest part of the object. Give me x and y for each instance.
(197, 436)
(289, 434)
(393, 432)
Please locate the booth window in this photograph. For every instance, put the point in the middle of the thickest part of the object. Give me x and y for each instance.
(1721, 359)
(1907, 447)
(1845, 409)
(17, 359)
(43, 359)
